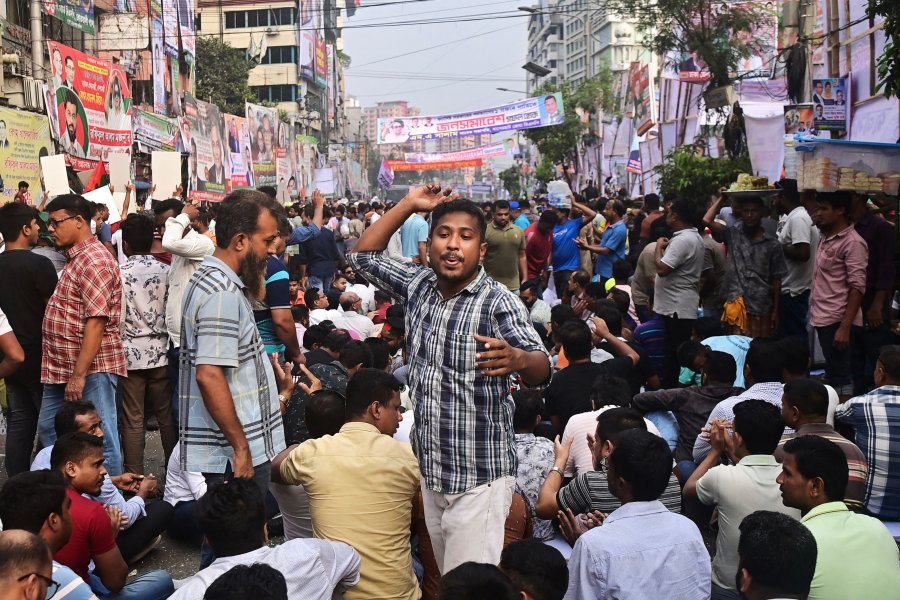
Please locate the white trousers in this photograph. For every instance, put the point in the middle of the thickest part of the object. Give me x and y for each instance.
(468, 526)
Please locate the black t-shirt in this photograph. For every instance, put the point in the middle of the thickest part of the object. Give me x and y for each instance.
(569, 392)
(317, 357)
(28, 282)
(658, 229)
(635, 375)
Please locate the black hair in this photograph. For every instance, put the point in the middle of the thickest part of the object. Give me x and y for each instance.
(258, 580)
(232, 517)
(651, 202)
(618, 206)
(707, 327)
(529, 405)
(612, 317)
(837, 200)
(239, 213)
(818, 457)
(336, 340)
(778, 552)
(622, 302)
(644, 461)
(581, 277)
(285, 227)
(314, 335)
(455, 206)
(595, 290)
(549, 217)
(28, 499)
(69, 96)
(609, 389)
(64, 420)
(368, 386)
(621, 270)
(720, 367)
(475, 581)
(299, 312)
(575, 338)
(325, 412)
(795, 354)
(764, 361)
(173, 204)
(685, 209)
(73, 447)
(381, 354)
(612, 422)
(530, 286)
(560, 314)
(311, 295)
(74, 204)
(356, 352)
(535, 568)
(760, 424)
(809, 396)
(268, 190)
(137, 231)
(22, 552)
(889, 357)
(13, 217)
(500, 204)
(688, 352)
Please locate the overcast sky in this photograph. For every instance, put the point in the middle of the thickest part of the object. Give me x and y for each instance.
(496, 56)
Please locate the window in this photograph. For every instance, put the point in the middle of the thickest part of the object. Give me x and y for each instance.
(277, 55)
(276, 93)
(260, 18)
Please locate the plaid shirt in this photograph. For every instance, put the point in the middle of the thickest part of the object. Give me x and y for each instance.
(218, 329)
(463, 435)
(875, 417)
(90, 286)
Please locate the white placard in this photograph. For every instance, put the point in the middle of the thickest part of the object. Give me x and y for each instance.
(119, 170)
(166, 168)
(104, 196)
(324, 181)
(53, 169)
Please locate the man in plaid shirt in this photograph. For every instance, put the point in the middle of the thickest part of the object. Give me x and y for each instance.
(82, 346)
(466, 334)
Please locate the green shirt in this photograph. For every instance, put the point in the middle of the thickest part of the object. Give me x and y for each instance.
(501, 261)
(857, 557)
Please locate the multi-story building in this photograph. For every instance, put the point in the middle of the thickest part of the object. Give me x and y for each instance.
(545, 48)
(392, 109)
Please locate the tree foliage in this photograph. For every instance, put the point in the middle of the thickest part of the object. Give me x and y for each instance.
(545, 172)
(222, 75)
(889, 62)
(687, 174)
(510, 179)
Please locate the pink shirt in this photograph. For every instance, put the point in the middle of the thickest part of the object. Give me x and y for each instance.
(841, 261)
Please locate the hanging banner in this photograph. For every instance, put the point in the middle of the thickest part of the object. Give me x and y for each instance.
(170, 27)
(24, 137)
(159, 68)
(642, 94)
(186, 10)
(92, 103)
(307, 30)
(239, 151)
(263, 123)
(490, 151)
(329, 82)
(321, 61)
(75, 13)
(209, 173)
(385, 175)
(399, 165)
(155, 132)
(831, 99)
(540, 111)
(307, 159)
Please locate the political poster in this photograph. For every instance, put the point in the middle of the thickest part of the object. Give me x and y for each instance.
(24, 137)
(385, 175)
(831, 101)
(307, 32)
(798, 118)
(642, 96)
(155, 132)
(186, 10)
(400, 165)
(170, 27)
(329, 83)
(240, 152)
(286, 189)
(540, 111)
(92, 105)
(209, 173)
(321, 62)
(307, 159)
(263, 126)
(75, 13)
(159, 68)
(490, 151)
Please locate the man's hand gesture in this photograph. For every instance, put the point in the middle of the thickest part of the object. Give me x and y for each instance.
(427, 197)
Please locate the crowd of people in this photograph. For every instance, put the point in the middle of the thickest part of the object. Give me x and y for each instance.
(442, 399)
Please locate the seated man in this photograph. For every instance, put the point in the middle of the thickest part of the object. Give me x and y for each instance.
(183, 489)
(590, 490)
(776, 557)
(857, 557)
(743, 487)
(623, 558)
(351, 304)
(79, 457)
(692, 405)
(874, 419)
(258, 580)
(25, 566)
(145, 520)
(534, 454)
(804, 407)
(361, 485)
(232, 517)
(536, 570)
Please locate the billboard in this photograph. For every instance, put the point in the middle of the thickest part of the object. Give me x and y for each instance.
(209, 171)
(92, 106)
(307, 32)
(75, 13)
(642, 95)
(155, 132)
(24, 137)
(240, 152)
(263, 126)
(831, 99)
(540, 111)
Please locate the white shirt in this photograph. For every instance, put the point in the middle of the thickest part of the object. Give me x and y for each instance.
(187, 253)
(318, 315)
(182, 486)
(797, 228)
(366, 293)
(313, 569)
(120, 247)
(5, 327)
(361, 324)
(580, 459)
(293, 502)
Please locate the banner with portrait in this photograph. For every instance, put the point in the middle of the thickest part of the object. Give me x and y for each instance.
(170, 27)
(831, 101)
(540, 111)
(307, 33)
(75, 13)
(24, 138)
(155, 132)
(508, 147)
(92, 105)
(321, 61)
(240, 152)
(643, 98)
(186, 11)
(798, 118)
(263, 126)
(307, 159)
(209, 172)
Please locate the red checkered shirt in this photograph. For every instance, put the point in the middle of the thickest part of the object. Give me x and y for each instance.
(90, 286)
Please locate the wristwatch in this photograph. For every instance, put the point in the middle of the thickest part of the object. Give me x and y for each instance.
(556, 469)
(282, 400)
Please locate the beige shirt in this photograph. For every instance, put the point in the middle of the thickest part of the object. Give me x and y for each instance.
(361, 485)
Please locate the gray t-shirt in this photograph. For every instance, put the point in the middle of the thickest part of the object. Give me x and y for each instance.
(797, 228)
(678, 293)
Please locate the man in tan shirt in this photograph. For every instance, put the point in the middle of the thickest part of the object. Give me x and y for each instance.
(361, 484)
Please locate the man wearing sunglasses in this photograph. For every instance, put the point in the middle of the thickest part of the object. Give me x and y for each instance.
(26, 563)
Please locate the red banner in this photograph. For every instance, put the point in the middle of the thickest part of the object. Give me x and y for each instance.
(400, 165)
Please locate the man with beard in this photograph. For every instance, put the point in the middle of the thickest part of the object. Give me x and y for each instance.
(466, 335)
(69, 138)
(228, 392)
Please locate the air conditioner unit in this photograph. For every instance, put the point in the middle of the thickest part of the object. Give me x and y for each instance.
(33, 90)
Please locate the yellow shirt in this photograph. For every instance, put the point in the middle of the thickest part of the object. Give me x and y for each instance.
(361, 484)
